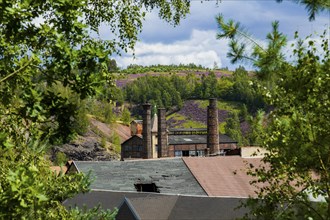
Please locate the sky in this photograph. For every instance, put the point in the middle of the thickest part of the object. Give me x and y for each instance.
(194, 40)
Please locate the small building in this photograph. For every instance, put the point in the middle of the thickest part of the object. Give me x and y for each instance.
(132, 147)
(136, 127)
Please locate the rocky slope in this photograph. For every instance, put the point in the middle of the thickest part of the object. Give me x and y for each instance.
(96, 143)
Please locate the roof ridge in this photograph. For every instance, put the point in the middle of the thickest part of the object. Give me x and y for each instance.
(183, 159)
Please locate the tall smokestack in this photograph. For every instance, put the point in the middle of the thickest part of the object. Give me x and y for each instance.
(146, 131)
(162, 135)
(213, 127)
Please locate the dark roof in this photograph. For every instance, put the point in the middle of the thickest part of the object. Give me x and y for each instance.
(207, 208)
(137, 121)
(106, 199)
(155, 207)
(197, 139)
(187, 129)
(170, 175)
(159, 206)
(134, 136)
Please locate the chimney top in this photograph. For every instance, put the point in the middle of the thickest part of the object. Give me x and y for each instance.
(146, 104)
(213, 102)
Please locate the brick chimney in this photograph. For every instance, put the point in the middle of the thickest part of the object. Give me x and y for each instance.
(146, 132)
(162, 133)
(213, 127)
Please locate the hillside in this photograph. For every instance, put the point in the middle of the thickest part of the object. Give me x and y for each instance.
(100, 142)
(183, 92)
(128, 78)
(193, 114)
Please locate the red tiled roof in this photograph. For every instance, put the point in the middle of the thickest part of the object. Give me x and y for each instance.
(223, 176)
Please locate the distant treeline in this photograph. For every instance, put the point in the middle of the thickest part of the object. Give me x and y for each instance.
(137, 69)
(172, 90)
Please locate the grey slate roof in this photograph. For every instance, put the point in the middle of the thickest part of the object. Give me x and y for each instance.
(159, 206)
(106, 199)
(170, 175)
(196, 139)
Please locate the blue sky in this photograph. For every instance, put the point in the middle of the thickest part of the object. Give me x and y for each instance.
(194, 40)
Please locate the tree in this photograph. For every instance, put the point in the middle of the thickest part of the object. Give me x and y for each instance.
(313, 6)
(266, 60)
(126, 116)
(244, 91)
(257, 130)
(298, 138)
(233, 128)
(297, 135)
(45, 44)
(28, 188)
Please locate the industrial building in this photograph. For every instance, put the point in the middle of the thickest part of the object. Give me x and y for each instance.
(153, 139)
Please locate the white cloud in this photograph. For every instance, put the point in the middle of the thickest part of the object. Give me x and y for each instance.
(193, 41)
(202, 48)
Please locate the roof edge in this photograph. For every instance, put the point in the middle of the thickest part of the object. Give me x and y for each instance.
(194, 176)
(131, 207)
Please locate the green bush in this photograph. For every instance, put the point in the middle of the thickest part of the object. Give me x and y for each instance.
(60, 158)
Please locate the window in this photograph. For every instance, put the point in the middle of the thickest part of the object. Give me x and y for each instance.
(192, 153)
(200, 153)
(146, 187)
(185, 153)
(178, 153)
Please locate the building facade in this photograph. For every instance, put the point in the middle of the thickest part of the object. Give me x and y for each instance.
(157, 141)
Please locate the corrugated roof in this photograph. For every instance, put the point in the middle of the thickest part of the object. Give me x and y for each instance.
(171, 176)
(196, 139)
(223, 176)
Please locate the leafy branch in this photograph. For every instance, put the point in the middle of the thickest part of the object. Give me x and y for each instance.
(16, 71)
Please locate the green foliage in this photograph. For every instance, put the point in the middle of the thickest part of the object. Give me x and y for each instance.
(243, 90)
(94, 213)
(46, 69)
(60, 158)
(138, 69)
(110, 93)
(28, 188)
(208, 87)
(257, 128)
(109, 115)
(233, 129)
(313, 6)
(115, 141)
(103, 142)
(244, 112)
(102, 110)
(267, 60)
(126, 116)
(60, 50)
(159, 90)
(298, 138)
